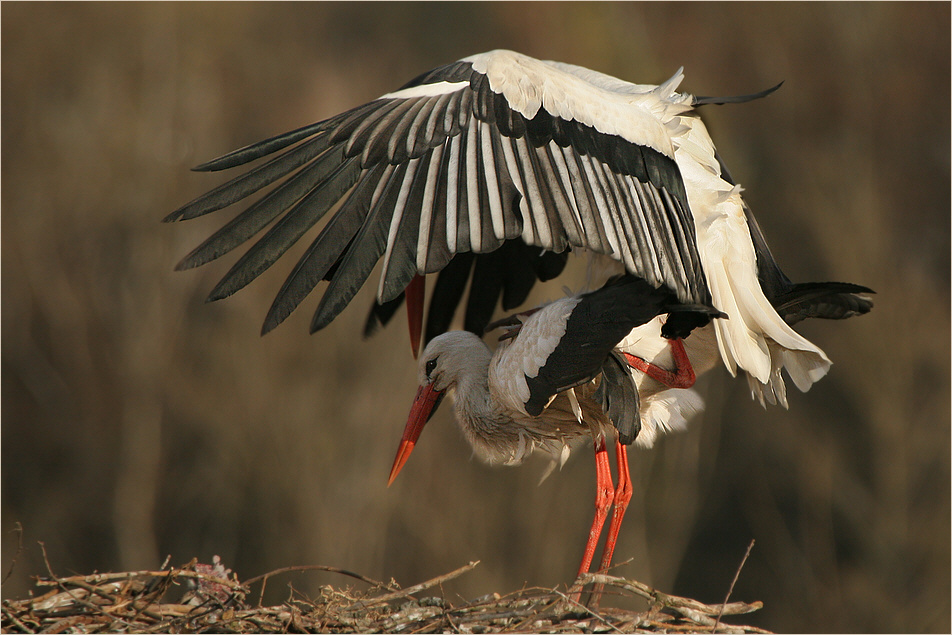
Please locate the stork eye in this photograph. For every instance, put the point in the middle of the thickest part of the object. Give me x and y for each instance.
(430, 366)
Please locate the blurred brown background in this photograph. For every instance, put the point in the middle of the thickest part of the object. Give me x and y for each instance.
(140, 422)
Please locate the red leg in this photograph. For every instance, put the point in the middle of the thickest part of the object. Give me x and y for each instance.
(415, 294)
(622, 497)
(604, 494)
(681, 377)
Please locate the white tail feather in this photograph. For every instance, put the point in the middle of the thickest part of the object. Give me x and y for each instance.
(754, 338)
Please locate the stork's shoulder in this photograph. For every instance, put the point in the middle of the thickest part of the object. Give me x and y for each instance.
(540, 334)
(501, 66)
(640, 113)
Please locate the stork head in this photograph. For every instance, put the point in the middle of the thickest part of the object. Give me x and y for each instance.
(446, 360)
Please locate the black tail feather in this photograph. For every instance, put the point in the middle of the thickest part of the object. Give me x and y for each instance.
(827, 300)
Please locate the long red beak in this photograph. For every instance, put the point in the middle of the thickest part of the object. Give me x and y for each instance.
(426, 400)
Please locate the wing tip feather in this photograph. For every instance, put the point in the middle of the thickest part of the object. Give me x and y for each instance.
(736, 99)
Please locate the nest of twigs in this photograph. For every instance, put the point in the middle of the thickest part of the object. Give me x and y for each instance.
(200, 598)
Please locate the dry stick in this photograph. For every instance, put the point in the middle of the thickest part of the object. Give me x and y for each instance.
(528, 615)
(13, 618)
(116, 603)
(78, 600)
(416, 588)
(315, 567)
(18, 530)
(89, 582)
(153, 590)
(449, 618)
(97, 578)
(594, 614)
(692, 609)
(595, 597)
(155, 582)
(733, 582)
(62, 625)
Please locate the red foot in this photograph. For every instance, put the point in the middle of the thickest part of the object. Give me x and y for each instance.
(622, 498)
(681, 377)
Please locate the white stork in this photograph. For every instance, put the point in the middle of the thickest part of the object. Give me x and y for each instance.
(562, 376)
(489, 171)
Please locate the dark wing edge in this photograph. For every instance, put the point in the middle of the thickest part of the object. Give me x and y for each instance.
(410, 181)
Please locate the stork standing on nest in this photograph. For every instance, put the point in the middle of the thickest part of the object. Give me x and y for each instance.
(557, 377)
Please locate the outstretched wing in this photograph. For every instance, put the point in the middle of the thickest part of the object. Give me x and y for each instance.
(489, 150)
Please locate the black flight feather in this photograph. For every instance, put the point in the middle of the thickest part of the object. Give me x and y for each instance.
(250, 182)
(308, 211)
(361, 256)
(260, 149)
(262, 212)
(447, 293)
(619, 398)
(324, 252)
